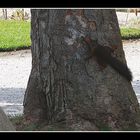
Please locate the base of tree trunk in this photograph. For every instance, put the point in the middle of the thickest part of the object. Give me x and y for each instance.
(65, 89)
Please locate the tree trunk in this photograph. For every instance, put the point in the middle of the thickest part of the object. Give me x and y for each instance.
(4, 13)
(65, 88)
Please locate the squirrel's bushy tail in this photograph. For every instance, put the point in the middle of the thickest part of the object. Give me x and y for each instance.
(121, 68)
(113, 62)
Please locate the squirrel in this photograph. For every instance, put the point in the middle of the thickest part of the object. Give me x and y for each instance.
(103, 56)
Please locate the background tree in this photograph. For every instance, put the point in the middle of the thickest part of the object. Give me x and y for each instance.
(65, 89)
(4, 13)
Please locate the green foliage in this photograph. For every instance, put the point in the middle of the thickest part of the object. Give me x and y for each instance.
(21, 125)
(102, 126)
(30, 127)
(130, 33)
(14, 35)
(16, 120)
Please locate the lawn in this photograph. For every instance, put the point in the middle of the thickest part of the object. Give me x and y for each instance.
(14, 35)
(130, 33)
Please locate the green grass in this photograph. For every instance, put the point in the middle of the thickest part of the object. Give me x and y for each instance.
(21, 125)
(14, 35)
(130, 33)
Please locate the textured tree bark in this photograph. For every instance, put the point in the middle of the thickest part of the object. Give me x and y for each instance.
(63, 87)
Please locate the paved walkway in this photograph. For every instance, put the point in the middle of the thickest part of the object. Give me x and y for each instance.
(15, 68)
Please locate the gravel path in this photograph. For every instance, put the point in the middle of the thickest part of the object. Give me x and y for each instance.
(132, 53)
(15, 68)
